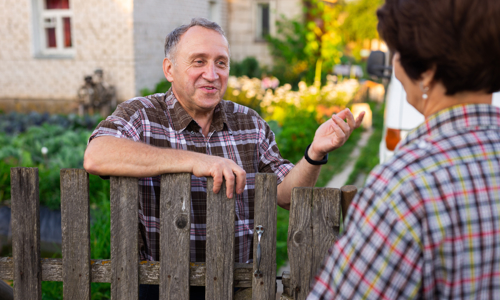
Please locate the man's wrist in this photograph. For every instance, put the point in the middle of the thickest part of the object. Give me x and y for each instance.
(315, 159)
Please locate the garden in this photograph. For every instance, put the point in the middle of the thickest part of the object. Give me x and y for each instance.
(53, 142)
(294, 96)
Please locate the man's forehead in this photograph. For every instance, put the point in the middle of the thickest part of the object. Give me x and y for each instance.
(203, 36)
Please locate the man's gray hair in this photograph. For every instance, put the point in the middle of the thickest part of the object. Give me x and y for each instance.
(173, 37)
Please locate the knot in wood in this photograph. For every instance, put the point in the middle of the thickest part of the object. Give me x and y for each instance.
(181, 222)
(298, 237)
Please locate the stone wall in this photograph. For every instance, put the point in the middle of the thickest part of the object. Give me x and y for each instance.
(102, 37)
(242, 17)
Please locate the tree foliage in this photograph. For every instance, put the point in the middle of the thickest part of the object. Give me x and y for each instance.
(308, 47)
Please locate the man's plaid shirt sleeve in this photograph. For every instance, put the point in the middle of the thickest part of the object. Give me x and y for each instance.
(379, 255)
(123, 123)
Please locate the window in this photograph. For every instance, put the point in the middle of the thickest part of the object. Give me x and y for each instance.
(263, 21)
(54, 28)
(214, 12)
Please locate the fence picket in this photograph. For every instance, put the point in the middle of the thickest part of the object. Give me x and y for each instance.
(175, 218)
(265, 215)
(347, 194)
(124, 238)
(299, 242)
(325, 220)
(26, 233)
(220, 243)
(75, 223)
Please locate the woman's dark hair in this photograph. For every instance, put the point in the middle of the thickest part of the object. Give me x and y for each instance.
(461, 38)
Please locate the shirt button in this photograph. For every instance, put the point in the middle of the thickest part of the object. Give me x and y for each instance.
(192, 132)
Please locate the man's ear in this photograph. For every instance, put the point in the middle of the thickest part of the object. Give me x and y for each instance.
(167, 69)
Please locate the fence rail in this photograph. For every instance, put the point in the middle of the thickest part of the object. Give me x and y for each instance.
(314, 226)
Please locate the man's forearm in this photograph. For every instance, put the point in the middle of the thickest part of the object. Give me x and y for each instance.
(303, 175)
(121, 157)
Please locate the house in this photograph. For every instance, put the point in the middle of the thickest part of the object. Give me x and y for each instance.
(48, 46)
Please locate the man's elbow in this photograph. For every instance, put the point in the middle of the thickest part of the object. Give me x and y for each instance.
(90, 164)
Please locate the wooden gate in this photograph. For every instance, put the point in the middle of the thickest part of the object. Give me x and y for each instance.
(314, 225)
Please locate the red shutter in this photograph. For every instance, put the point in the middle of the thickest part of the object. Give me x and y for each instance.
(56, 4)
(67, 32)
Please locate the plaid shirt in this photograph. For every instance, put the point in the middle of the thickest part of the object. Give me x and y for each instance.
(237, 133)
(427, 223)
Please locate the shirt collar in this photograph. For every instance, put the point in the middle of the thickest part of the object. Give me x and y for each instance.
(458, 118)
(181, 119)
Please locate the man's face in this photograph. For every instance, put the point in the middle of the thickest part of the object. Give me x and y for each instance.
(200, 70)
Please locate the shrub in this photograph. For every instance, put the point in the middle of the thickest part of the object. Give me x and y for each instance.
(248, 67)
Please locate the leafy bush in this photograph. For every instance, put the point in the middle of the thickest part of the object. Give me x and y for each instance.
(248, 67)
(65, 139)
(14, 123)
(162, 87)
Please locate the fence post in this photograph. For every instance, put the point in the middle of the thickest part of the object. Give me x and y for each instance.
(348, 193)
(175, 229)
(26, 233)
(325, 220)
(124, 238)
(300, 241)
(220, 243)
(75, 221)
(264, 287)
(314, 226)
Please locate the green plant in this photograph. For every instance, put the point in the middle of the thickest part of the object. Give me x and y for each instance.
(161, 87)
(296, 133)
(248, 67)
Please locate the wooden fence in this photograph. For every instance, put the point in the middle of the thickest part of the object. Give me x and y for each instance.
(314, 225)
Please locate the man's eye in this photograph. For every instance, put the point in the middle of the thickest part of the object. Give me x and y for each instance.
(198, 61)
(222, 63)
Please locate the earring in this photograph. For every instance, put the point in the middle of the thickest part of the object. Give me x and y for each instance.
(424, 91)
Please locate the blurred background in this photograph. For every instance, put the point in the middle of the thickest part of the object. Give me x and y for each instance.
(66, 64)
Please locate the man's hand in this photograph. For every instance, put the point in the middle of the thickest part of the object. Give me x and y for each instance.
(329, 136)
(219, 168)
(333, 133)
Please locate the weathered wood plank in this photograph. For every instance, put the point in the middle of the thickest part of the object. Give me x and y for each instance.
(347, 194)
(299, 242)
(26, 233)
(149, 271)
(175, 218)
(75, 222)
(220, 243)
(264, 284)
(124, 238)
(325, 219)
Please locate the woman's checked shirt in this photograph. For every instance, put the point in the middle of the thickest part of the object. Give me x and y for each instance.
(427, 223)
(237, 133)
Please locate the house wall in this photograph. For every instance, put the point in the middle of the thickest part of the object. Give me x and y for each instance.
(102, 38)
(242, 17)
(153, 20)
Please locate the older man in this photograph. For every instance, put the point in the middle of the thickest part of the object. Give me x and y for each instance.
(191, 129)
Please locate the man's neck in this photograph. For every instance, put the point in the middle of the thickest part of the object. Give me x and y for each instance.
(202, 117)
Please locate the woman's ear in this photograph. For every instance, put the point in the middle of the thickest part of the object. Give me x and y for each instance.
(427, 77)
(167, 69)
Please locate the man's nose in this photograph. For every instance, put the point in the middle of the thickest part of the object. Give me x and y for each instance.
(210, 73)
